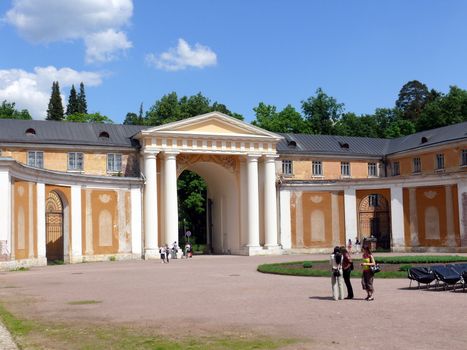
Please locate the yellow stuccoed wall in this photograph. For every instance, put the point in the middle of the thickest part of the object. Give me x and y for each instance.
(302, 169)
(452, 160)
(95, 163)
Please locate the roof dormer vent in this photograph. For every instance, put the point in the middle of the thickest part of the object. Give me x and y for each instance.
(424, 139)
(104, 135)
(30, 131)
(344, 145)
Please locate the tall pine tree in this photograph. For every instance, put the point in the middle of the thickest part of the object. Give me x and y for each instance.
(82, 104)
(72, 107)
(55, 109)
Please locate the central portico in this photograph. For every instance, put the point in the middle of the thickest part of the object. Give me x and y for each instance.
(237, 161)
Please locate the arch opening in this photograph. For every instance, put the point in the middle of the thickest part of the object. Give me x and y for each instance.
(374, 219)
(54, 223)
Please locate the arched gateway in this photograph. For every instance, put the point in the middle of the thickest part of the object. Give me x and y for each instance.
(236, 159)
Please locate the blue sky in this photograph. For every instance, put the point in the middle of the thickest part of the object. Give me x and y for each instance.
(238, 53)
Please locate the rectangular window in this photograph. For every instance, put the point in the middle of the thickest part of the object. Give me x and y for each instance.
(75, 161)
(287, 168)
(464, 157)
(372, 170)
(373, 200)
(114, 163)
(345, 168)
(317, 168)
(440, 161)
(396, 169)
(36, 159)
(417, 165)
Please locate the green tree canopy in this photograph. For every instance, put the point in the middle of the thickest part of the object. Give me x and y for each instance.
(55, 109)
(82, 103)
(88, 118)
(413, 97)
(322, 112)
(72, 106)
(286, 121)
(8, 111)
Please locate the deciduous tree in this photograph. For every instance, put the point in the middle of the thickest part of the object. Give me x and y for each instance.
(8, 111)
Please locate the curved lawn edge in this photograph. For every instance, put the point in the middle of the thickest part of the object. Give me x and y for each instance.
(284, 268)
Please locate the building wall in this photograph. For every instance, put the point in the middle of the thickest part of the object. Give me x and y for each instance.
(317, 219)
(95, 163)
(431, 216)
(24, 220)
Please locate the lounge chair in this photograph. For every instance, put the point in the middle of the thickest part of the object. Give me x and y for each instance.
(421, 275)
(447, 275)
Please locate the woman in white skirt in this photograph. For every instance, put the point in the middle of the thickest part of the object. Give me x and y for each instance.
(337, 278)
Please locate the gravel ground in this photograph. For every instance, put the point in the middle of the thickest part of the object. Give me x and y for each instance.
(209, 294)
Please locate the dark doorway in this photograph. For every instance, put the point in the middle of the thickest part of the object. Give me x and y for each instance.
(374, 220)
(54, 227)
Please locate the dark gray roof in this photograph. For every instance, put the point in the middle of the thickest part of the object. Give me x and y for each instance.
(429, 138)
(363, 146)
(65, 133)
(331, 144)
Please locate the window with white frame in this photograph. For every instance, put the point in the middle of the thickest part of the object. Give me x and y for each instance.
(396, 169)
(345, 168)
(417, 165)
(36, 159)
(464, 157)
(75, 161)
(372, 169)
(440, 161)
(317, 168)
(114, 162)
(287, 169)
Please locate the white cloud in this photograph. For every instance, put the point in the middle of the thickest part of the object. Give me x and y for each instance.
(104, 45)
(31, 90)
(46, 21)
(183, 56)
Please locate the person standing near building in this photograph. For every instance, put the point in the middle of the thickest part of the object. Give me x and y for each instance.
(167, 253)
(336, 275)
(347, 267)
(367, 276)
(162, 254)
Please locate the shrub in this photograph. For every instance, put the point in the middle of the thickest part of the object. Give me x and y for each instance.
(405, 267)
(307, 265)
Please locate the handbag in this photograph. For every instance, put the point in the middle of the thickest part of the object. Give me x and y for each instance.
(336, 273)
(375, 268)
(351, 266)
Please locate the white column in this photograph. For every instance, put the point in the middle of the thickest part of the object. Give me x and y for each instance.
(462, 202)
(135, 198)
(397, 217)
(5, 209)
(170, 197)
(253, 201)
(285, 219)
(270, 205)
(350, 214)
(40, 190)
(76, 229)
(150, 205)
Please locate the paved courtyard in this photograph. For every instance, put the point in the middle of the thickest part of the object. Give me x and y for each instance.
(225, 293)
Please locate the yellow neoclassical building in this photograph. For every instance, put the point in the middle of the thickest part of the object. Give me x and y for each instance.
(83, 192)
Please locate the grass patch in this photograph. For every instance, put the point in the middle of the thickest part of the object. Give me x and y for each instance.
(84, 302)
(20, 269)
(421, 259)
(112, 258)
(37, 335)
(321, 267)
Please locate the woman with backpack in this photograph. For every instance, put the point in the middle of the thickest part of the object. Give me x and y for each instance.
(337, 282)
(367, 276)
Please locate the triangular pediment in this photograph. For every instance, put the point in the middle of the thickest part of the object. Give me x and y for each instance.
(212, 124)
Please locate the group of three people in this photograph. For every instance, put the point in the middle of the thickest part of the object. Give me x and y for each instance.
(342, 266)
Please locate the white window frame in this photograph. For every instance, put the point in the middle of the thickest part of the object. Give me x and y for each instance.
(396, 169)
(416, 165)
(317, 168)
(374, 166)
(345, 169)
(74, 161)
(287, 167)
(440, 162)
(373, 200)
(37, 160)
(114, 163)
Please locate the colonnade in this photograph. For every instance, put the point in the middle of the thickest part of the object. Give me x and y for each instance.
(170, 202)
